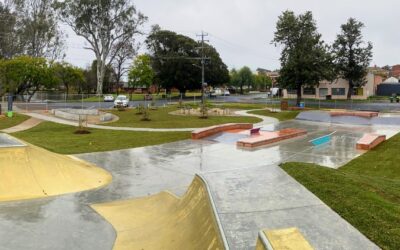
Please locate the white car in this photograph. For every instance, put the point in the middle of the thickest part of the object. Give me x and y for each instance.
(121, 100)
(108, 98)
(227, 93)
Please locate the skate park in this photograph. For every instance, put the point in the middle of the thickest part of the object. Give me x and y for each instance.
(244, 189)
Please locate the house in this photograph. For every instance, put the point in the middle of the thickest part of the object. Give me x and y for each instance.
(271, 74)
(338, 88)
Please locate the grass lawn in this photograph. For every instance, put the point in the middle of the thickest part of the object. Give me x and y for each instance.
(281, 116)
(6, 122)
(161, 118)
(366, 191)
(61, 138)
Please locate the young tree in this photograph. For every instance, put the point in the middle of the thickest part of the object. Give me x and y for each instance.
(305, 59)
(352, 58)
(262, 81)
(246, 78)
(141, 73)
(68, 75)
(102, 24)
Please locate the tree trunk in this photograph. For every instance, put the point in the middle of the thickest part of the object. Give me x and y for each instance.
(100, 75)
(350, 91)
(241, 89)
(298, 90)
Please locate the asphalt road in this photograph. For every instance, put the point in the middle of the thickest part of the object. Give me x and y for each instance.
(256, 98)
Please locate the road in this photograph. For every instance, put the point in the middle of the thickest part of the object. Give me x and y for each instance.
(254, 98)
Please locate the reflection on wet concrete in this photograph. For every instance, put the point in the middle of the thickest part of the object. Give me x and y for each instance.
(250, 190)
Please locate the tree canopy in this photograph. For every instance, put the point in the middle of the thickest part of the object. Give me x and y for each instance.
(68, 76)
(305, 59)
(175, 60)
(25, 75)
(103, 24)
(141, 73)
(351, 57)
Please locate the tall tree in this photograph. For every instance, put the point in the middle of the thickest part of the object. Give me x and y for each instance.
(10, 44)
(67, 75)
(126, 51)
(352, 55)
(305, 59)
(175, 60)
(39, 32)
(102, 24)
(141, 72)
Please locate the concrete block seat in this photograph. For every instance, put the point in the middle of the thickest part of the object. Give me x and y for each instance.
(165, 221)
(265, 138)
(370, 141)
(209, 131)
(364, 114)
(288, 239)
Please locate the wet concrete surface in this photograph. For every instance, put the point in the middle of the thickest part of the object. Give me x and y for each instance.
(250, 190)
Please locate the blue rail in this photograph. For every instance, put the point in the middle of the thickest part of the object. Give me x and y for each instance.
(322, 140)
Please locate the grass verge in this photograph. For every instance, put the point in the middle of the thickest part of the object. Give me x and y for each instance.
(281, 116)
(365, 192)
(161, 118)
(6, 122)
(61, 138)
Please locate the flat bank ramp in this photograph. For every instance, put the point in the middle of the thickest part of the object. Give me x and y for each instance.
(282, 239)
(28, 172)
(164, 221)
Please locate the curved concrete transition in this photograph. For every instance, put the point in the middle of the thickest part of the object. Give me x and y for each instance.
(164, 221)
(28, 172)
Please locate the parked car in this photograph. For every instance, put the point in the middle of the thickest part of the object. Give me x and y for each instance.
(121, 100)
(108, 98)
(148, 97)
(227, 93)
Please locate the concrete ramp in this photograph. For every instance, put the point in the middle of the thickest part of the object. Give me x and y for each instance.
(164, 221)
(28, 172)
(282, 239)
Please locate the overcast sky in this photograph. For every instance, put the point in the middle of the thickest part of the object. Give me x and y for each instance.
(241, 30)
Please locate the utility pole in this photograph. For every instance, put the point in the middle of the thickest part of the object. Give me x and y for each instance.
(203, 62)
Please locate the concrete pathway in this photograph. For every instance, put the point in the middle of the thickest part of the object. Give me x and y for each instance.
(250, 190)
(30, 123)
(265, 121)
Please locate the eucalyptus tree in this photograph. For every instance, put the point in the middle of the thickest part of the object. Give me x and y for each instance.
(352, 55)
(305, 59)
(125, 52)
(103, 24)
(40, 34)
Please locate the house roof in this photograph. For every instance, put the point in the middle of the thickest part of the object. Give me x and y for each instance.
(391, 80)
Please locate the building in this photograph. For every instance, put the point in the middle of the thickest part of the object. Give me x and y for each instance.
(390, 86)
(339, 88)
(395, 71)
(271, 74)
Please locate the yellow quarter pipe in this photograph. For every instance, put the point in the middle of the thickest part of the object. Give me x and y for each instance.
(164, 221)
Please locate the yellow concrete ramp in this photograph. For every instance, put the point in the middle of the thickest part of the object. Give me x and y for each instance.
(282, 239)
(31, 172)
(164, 221)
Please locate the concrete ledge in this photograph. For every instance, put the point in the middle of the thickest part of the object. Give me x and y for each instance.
(365, 114)
(209, 131)
(266, 138)
(370, 141)
(288, 239)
